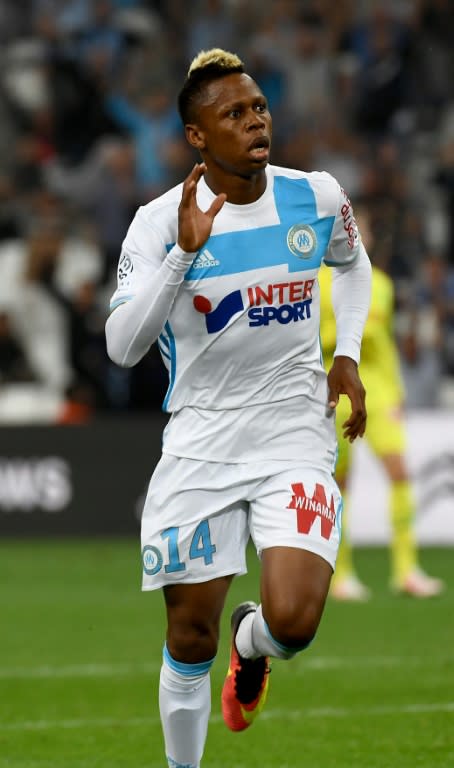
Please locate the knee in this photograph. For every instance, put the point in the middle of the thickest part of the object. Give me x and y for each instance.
(192, 642)
(294, 627)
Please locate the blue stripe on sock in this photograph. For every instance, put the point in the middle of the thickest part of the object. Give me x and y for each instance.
(188, 670)
(284, 648)
(173, 764)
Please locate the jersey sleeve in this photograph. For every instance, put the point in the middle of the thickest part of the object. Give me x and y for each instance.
(142, 253)
(345, 241)
(327, 318)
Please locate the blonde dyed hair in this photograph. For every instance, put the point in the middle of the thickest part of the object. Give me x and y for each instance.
(217, 57)
(205, 67)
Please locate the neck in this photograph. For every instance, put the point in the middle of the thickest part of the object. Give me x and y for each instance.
(240, 190)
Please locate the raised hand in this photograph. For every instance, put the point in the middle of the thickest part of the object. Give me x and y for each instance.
(343, 379)
(194, 225)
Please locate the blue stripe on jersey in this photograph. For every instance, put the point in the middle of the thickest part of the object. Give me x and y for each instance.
(267, 246)
(117, 302)
(173, 364)
(339, 511)
(164, 340)
(162, 350)
(164, 346)
(322, 362)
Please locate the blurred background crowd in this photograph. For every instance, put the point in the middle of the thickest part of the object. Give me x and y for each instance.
(89, 131)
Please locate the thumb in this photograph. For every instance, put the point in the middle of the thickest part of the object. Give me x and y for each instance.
(216, 205)
(333, 397)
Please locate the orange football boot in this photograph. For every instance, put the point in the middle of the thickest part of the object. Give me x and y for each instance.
(246, 683)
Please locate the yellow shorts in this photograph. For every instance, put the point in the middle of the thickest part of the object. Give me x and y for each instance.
(385, 433)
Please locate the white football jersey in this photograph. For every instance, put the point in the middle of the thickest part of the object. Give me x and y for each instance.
(243, 331)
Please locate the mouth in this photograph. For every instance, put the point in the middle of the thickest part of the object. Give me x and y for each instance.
(260, 147)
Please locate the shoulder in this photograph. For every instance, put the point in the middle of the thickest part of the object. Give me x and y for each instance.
(162, 207)
(325, 188)
(313, 177)
(160, 215)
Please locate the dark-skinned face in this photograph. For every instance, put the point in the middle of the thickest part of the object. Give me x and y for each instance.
(233, 128)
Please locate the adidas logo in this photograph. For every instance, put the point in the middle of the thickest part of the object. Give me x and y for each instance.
(205, 259)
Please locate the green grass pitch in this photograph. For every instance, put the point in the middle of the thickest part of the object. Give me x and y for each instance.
(80, 657)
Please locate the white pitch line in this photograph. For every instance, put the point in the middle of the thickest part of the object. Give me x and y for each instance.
(79, 670)
(272, 714)
(298, 666)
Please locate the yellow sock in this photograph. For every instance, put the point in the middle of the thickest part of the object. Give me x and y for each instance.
(344, 562)
(403, 540)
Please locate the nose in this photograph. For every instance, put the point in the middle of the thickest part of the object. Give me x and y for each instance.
(255, 120)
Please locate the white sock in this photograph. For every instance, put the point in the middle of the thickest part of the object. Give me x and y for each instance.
(185, 705)
(254, 639)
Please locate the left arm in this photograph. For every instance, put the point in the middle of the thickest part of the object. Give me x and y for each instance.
(350, 294)
(351, 297)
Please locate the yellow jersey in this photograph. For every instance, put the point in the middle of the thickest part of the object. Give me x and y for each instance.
(379, 366)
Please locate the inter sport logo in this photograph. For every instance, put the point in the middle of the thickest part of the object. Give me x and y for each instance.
(217, 319)
(280, 302)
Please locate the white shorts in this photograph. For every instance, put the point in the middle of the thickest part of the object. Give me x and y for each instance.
(198, 516)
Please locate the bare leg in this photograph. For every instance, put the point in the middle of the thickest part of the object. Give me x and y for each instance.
(193, 616)
(294, 586)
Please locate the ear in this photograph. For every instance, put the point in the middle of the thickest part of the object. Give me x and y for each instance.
(195, 136)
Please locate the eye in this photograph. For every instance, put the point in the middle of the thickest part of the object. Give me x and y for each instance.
(234, 113)
(262, 108)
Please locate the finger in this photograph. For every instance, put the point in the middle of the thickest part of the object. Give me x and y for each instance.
(357, 399)
(188, 191)
(355, 422)
(191, 181)
(356, 419)
(191, 175)
(355, 426)
(198, 171)
(216, 205)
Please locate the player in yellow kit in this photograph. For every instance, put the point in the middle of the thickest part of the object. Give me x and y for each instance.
(385, 434)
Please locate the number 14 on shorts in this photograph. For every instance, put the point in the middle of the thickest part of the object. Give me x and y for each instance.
(200, 546)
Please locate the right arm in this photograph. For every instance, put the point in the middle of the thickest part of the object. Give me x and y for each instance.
(133, 326)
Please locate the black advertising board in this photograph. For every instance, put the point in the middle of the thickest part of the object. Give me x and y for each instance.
(77, 480)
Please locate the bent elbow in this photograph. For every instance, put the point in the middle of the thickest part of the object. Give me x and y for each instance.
(125, 347)
(117, 355)
(122, 354)
(117, 350)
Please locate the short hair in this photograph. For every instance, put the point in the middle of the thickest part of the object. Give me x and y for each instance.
(205, 67)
